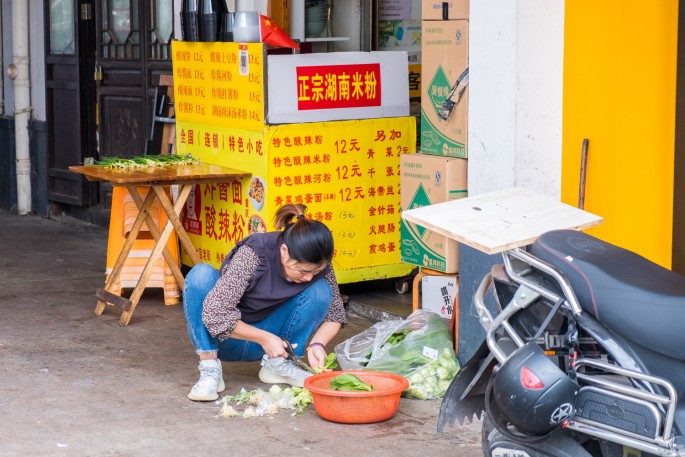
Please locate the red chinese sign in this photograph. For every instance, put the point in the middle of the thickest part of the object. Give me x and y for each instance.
(338, 86)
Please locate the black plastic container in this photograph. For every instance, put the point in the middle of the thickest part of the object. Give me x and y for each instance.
(209, 20)
(189, 21)
(226, 28)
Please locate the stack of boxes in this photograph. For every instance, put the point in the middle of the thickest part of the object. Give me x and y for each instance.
(438, 172)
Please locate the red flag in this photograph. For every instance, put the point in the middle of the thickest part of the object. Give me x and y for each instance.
(273, 35)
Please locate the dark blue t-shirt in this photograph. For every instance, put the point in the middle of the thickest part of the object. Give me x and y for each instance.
(269, 286)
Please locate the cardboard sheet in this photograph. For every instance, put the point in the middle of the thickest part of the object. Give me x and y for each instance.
(496, 221)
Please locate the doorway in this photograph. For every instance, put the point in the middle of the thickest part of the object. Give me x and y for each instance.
(133, 49)
(103, 61)
(70, 97)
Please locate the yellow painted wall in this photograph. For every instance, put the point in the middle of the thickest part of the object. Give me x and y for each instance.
(619, 92)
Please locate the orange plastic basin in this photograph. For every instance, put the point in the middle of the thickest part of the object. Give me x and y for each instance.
(357, 407)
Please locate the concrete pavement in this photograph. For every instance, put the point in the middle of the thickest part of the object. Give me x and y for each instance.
(76, 384)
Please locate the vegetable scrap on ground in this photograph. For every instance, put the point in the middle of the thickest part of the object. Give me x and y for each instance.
(262, 403)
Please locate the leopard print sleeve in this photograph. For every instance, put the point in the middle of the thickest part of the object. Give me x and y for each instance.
(219, 311)
(336, 312)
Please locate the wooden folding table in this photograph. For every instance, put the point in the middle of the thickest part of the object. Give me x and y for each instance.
(154, 178)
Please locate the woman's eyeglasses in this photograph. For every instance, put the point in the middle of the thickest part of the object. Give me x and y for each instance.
(305, 272)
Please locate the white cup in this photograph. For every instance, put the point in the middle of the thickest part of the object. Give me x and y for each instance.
(246, 27)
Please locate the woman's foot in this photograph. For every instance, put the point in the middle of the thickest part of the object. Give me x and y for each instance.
(277, 370)
(211, 381)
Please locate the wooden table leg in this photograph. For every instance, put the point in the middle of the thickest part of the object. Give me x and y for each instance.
(172, 213)
(154, 231)
(103, 294)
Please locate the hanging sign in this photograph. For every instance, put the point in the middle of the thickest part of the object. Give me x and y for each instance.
(337, 86)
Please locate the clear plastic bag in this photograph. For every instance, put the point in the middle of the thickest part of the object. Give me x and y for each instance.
(418, 348)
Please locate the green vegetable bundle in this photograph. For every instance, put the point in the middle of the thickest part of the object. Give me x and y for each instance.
(145, 161)
(433, 378)
(349, 382)
(418, 348)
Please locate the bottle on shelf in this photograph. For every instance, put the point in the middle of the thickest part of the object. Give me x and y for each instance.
(208, 20)
(189, 21)
(226, 28)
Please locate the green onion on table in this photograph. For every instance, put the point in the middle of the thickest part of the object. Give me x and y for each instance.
(145, 161)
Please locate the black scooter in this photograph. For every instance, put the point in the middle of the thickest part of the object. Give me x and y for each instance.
(584, 354)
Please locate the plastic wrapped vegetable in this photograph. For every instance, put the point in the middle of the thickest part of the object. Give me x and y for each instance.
(418, 348)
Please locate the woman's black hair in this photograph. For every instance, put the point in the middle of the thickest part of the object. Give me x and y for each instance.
(307, 240)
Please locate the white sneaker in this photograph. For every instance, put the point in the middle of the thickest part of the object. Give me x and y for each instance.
(211, 381)
(278, 370)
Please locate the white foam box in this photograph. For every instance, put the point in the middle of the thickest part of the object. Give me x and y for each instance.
(438, 294)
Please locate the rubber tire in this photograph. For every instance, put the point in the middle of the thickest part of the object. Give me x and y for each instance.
(556, 446)
(402, 286)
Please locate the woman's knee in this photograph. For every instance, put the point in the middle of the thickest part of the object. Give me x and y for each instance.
(202, 276)
(320, 292)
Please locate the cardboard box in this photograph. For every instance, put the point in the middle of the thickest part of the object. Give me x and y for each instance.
(427, 180)
(434, 10)
(444, 87)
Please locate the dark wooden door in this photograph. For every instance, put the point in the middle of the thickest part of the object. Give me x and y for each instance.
(134, 49)
(70, 97)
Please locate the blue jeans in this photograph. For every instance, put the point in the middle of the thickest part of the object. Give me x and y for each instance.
(295, 319)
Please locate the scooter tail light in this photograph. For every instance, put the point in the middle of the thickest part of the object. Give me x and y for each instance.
(529, 380)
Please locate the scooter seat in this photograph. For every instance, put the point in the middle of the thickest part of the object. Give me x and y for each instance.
(634, 297)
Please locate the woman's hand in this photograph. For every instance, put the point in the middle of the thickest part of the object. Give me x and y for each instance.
(274, 346)
(316, 355)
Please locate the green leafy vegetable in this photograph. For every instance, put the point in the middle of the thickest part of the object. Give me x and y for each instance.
(349, 381)
(145, 161)
(392, 341)
(330, 363)
(397, 337)
(241, 397)
(301, 397)
(433, 377)
(263, 403)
